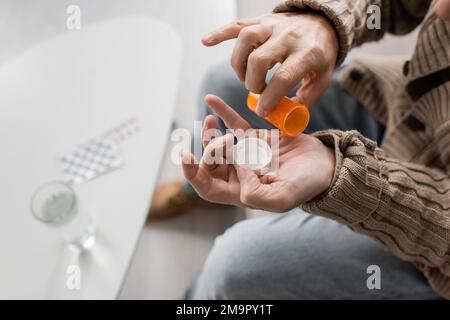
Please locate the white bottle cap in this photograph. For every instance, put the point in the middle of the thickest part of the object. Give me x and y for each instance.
(253, 153)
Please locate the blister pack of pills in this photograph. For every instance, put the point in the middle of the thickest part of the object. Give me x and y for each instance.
(97, 156)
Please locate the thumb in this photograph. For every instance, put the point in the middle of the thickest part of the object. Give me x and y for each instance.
(248, 179)
(443, 9)
(274, 197)
(312, 89)
(253, 193)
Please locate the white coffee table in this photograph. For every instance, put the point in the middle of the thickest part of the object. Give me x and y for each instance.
(64, 92)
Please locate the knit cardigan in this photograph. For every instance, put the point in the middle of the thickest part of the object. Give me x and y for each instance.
(398, 194)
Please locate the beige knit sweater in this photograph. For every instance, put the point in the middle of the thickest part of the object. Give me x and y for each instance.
(398, 194)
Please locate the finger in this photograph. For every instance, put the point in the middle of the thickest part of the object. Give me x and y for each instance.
(443, 9)
(209, 130)
(228, 32)
(199, 179)
(217, 152)
(210, 135)
(207, 187)
(230, 117)
(253, 192)
(260, 62)
(248, 40)
(290, 73)
(313, 89)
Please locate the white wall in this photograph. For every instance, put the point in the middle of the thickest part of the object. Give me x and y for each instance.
(26, 23)
(249, 8)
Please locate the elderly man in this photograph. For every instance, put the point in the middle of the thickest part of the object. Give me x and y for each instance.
(397, 195)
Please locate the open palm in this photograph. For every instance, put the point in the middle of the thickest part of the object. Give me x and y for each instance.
(305, 168)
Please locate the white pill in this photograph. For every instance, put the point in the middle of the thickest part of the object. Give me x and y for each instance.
(253, 153)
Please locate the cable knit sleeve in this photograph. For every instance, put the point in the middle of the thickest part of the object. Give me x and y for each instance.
(404, 206)
(356, 20)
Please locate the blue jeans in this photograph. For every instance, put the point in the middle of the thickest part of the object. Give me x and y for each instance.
(297, 255)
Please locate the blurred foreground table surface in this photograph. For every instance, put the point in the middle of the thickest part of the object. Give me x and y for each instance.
(53, 97)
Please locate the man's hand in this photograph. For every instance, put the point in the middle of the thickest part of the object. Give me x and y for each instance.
(305, 44)
(443, 9)
(306, 168)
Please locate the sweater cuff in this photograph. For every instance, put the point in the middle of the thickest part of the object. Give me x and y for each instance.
(359, 180)
(335, 10)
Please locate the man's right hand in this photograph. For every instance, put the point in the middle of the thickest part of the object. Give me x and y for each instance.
(306, 44)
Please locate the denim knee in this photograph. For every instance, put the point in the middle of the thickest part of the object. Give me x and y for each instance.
(241, 265)
(225, 269)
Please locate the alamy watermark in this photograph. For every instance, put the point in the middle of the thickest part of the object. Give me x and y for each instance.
(73, 280)
(373, 21)
(374, 280)
(73, 21)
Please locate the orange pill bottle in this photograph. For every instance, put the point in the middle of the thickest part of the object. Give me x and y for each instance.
(289, 116)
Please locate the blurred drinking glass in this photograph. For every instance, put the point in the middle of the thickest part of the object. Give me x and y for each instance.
(56, 205)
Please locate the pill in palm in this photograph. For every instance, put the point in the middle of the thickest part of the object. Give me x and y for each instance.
(253, 153)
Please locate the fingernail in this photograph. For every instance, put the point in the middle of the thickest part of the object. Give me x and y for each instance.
(209, 37)
(260, 112)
